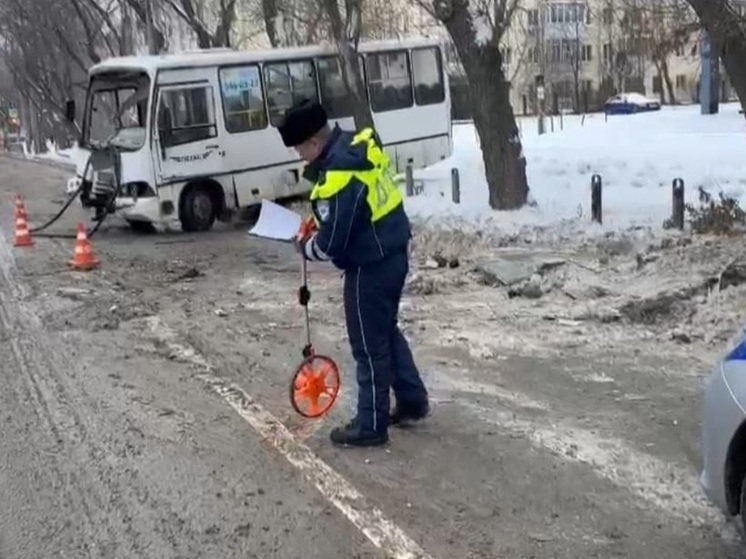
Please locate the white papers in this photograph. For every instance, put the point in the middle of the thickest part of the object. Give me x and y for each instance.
(276, 222)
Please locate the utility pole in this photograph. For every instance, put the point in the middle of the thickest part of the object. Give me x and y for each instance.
(709, 85)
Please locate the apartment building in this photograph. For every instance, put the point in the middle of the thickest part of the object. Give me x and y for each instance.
(586, 51)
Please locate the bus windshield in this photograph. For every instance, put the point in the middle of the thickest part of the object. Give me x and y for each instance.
(117, 110)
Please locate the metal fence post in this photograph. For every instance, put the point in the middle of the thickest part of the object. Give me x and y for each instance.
(678, 204)
(596, 200)
(409, 176)
(455, 186)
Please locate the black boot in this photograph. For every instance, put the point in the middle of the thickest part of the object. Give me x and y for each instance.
(403, 414)
(352, 435)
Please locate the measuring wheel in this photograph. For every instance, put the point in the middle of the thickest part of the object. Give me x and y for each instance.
(315, 386)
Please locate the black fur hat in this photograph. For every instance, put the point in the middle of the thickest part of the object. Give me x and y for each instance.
(301, 122)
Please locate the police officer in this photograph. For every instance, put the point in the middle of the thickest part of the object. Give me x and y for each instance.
(364, 230)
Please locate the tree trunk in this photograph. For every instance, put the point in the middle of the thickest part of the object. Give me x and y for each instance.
(502, 153)
(666, 73)
(270, 13)
(577, 94)
(727, 32)
(126, 40)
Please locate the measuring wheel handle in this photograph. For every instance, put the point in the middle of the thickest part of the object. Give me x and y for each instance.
(304, 296)
(315, 385)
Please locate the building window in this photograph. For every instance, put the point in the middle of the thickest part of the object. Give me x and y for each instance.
(586, 53)
(657, 85)
(568, 13)
(555, 49)
(533, 17)
(191, 112)
(507, 55)
(243, 99)
(288, 83)
(681, 82)
(608, 53)
(389, 81)
(427, 67)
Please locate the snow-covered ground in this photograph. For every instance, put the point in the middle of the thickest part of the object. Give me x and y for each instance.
(67, 156)
(638, 156)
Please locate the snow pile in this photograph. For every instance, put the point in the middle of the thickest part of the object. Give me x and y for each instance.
(67, 156)
(638, 156)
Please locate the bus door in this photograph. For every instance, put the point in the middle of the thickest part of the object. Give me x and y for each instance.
(186, 139)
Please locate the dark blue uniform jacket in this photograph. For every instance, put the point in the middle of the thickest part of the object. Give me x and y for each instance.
(346, 233)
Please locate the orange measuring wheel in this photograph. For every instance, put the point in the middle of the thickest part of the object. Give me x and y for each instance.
(315, 386)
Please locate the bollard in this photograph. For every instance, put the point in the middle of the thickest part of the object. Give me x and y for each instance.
(409, 176)
(678, 204)
(596, 207)
(455, 186)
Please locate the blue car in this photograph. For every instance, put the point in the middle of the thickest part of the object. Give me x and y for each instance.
(630, 103)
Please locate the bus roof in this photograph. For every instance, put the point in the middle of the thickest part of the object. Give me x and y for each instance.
(222, 56)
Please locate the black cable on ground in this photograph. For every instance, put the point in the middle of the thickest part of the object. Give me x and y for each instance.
(36, 231)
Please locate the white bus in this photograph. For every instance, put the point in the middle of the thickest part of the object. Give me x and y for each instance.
(192, 136)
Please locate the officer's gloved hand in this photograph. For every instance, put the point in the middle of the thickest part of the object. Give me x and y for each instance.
(306, 231)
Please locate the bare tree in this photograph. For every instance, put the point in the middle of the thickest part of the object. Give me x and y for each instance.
(196, 14)
(46, 77)
(383, 19)
(344, 26)
(724, 22)
(670, 26)
(291, 22)
(477, 28)
(347, 31)
(48, 46)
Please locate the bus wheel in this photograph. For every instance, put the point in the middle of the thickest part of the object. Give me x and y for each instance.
(198, 211)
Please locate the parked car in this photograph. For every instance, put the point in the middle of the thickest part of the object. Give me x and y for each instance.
(724, 431)
(630, 103)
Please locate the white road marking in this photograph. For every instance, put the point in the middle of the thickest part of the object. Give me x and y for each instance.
(667, 486)
(381, 531)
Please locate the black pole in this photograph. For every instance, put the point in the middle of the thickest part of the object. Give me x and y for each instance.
(596, 212)
(678, 204)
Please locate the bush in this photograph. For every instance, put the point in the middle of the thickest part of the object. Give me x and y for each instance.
(716, 217)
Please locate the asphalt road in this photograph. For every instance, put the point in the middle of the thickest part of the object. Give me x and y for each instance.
(144, 413)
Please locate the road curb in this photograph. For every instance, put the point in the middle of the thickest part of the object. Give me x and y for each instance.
(47, 163)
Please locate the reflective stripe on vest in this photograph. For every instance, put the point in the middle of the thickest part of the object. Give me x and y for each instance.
(383, 195)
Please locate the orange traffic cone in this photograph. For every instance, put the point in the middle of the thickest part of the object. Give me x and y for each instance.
(83, 258)
(23, 235)
(20, 207)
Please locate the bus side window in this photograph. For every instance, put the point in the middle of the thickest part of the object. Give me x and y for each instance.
(427, 67)
(288, 83)
(332, 90)
(243, 99)
(192, 114)
(389, 81)
(334, 97)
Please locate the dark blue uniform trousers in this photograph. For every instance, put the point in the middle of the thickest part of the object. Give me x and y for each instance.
(384, 360)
